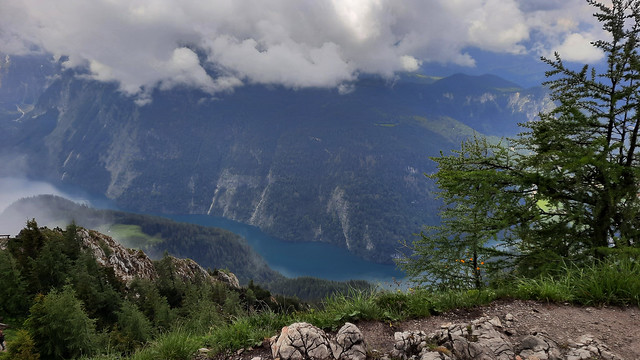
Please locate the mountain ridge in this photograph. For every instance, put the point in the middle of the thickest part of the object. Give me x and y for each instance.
(305, 165)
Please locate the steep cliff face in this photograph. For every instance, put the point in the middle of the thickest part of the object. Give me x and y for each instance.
(308, 165)
(128, 264)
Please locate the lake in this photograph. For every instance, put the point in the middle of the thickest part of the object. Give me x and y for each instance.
(294, 259)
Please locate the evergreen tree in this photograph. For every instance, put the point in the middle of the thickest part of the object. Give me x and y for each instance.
(569, 187)
(583, 162)
(482, 208)
(27, 244)
(22, 347)
(133, 329)
(145, 295)
(13, 287)
(60, 327)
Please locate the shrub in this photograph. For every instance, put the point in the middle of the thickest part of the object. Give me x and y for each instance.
(60, 327)
(22, 347)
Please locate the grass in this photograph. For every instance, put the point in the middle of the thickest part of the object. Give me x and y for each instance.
(130, 235)
(247, 331)
(612, 282)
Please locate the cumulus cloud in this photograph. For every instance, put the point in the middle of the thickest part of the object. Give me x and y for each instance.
(221, 44)
(577, 47)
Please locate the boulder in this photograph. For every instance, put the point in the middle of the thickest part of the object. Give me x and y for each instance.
(349, 344)
(481, 339)
(408, 344)
(300, 341)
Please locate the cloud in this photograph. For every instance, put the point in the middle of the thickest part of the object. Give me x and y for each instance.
(218, 45)
(577, 47)
(14, 189)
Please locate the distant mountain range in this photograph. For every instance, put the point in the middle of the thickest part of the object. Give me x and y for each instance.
(303, 165)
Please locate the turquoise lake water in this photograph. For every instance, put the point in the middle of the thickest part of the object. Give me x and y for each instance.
(294, 259)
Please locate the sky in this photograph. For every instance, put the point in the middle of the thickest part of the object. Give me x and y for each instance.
(219, 45)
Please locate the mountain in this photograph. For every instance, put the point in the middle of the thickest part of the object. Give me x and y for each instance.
(213, 248)
(124, 233)
(303, 165)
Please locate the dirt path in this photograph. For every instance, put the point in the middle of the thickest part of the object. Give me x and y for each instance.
(618, 328)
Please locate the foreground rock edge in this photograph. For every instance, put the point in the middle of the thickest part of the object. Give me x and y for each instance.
(490, 338)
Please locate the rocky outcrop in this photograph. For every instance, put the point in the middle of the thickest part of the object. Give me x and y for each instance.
(349, 343)
(305, 341)
(485, 338)
(128, 264)
(228, 278)
(190, 271)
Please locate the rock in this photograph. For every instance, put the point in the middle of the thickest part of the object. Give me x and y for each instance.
(349, 344)
(433, 355)
(301, 341)
(408, 344)
(495, 321)
(228, 278)
(587, 347)
(478, 340)
(538, 346)
(127, 264)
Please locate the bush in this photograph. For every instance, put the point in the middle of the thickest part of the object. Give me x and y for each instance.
(133, 328)
(22, 347)
(60, 327)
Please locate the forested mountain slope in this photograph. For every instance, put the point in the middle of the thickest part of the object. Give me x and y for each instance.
(303, 165)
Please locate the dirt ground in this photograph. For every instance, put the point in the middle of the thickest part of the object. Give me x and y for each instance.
(616, 327)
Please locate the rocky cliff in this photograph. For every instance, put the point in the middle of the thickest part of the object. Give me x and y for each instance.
(128, 264)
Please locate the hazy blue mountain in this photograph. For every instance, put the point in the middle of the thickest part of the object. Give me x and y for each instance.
(303, 165)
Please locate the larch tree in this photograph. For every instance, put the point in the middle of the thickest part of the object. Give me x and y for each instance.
(480, 214)
(583, 161)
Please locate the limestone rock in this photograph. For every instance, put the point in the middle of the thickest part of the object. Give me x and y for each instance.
(478, 340)
(408, 344)
(127, 264)
(538, 346)
(301, 341)
(228, 278)
(349, 344)
(587, 347)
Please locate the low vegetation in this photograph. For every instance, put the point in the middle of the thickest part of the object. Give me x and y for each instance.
(73, 308)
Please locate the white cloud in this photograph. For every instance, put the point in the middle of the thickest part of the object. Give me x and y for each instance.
(577, 47)
(143, 44)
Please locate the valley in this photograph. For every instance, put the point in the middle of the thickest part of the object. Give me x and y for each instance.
(303, 165)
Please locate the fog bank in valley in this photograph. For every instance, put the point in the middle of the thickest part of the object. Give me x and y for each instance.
(16, 188)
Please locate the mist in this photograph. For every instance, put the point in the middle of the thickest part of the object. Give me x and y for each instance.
(13, 189)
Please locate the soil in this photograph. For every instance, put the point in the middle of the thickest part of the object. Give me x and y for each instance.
(616, 327)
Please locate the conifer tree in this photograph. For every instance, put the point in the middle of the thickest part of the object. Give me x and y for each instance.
(569, 187)
(60, 327)
(13, 287)
(481, 210)
(583, 162)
